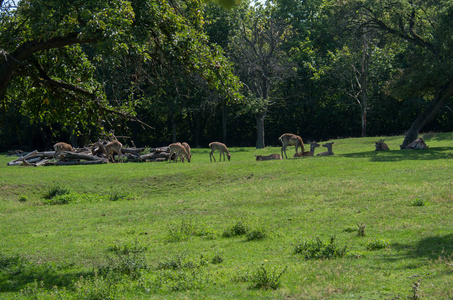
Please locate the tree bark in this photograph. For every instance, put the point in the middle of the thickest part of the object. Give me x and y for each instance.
(260, 130)
(428, 114)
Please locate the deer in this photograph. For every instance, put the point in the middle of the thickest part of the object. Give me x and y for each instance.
(329, 149)
(313, 146)
(419, 143)
(180, 151)
(268, 157)
(289, 139)
(187, 147)
(222, 148)
(381, 146)
(112, 148)
(60, 147)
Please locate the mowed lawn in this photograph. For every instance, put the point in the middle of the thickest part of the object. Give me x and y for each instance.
(171, 230)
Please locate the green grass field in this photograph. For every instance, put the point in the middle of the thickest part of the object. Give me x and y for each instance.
(234, 230)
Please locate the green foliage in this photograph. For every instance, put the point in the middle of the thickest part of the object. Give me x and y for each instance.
(318, 249)
(237, 229)
(127, 260)
(181, 232)
(256, 234)
(418, 202)
(377, 243)
(23, 199)
(264, 279)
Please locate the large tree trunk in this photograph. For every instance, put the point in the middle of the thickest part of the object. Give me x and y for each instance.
(428, 114)
(224, 120)
(260, 130)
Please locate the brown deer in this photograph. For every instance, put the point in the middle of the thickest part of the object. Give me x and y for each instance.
(60, 147)
(381, 146)
(417, 144)
(222, 148)
(289, 139)
(313, 146)
(179, 151)
(112, 148)
(268, 157)
(187, 147)
(329, 149)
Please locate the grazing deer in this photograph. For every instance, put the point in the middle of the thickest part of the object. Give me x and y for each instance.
(114, 147)
(268, 157)
(187, 147)
(329, 149)
(222, 148)
(289, 139)
(179, 151)
(60, 147)
(99, 148)
(313, 146)
(381, 146)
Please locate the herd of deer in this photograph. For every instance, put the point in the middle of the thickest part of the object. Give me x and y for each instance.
(182, 150)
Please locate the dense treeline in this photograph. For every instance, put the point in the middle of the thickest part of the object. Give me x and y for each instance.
(73, 70)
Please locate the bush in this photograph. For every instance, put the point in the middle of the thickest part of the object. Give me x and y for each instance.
(316, 248)
(262, 279)
(376, 244)
(257, 234)
(56, 191)
(418, 202)
(239, 228)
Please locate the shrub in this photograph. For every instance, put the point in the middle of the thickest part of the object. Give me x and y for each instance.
(376, 244)
(23, 199)
(418, 202)
(361, 231)
(217, 259)
(239, 228)
(127, 260)
(180, 233)
(263, 279)
(56, 191)
(257, 234)
(316, 248)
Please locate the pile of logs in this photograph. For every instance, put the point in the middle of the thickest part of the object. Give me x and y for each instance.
(86, 156)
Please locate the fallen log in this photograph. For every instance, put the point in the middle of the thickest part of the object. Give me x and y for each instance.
(72, 155)
(134, 150)
(160, 149)
(19, 160)
(81, 162)
(153, 155)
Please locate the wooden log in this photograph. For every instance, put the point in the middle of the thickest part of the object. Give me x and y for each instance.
(160, 149)
(135, 151)
(20, 159)
(153, 155)
(156, 159)
(72, 155)
(81, 162)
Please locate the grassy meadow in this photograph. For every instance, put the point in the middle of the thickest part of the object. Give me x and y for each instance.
(357, 225)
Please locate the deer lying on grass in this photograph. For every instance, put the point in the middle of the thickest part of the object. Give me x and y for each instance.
(289, 139)
(187, 147)
(329, 149)
(60, 147)
(381, 146)
(313, 146)
(179, 150)
(112, 148)
(222, 148)
(268, 157)
(417, 144)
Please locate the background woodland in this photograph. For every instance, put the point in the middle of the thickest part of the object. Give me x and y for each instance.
(163, 71)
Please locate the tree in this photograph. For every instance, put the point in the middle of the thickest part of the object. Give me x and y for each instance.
(55, 52)
(421, 33)
(256, 49)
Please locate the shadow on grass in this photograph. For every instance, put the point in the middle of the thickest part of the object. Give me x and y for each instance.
(400, 155)
(16, 273)
(430, 248)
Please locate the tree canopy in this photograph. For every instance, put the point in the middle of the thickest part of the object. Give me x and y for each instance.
(196, 71)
